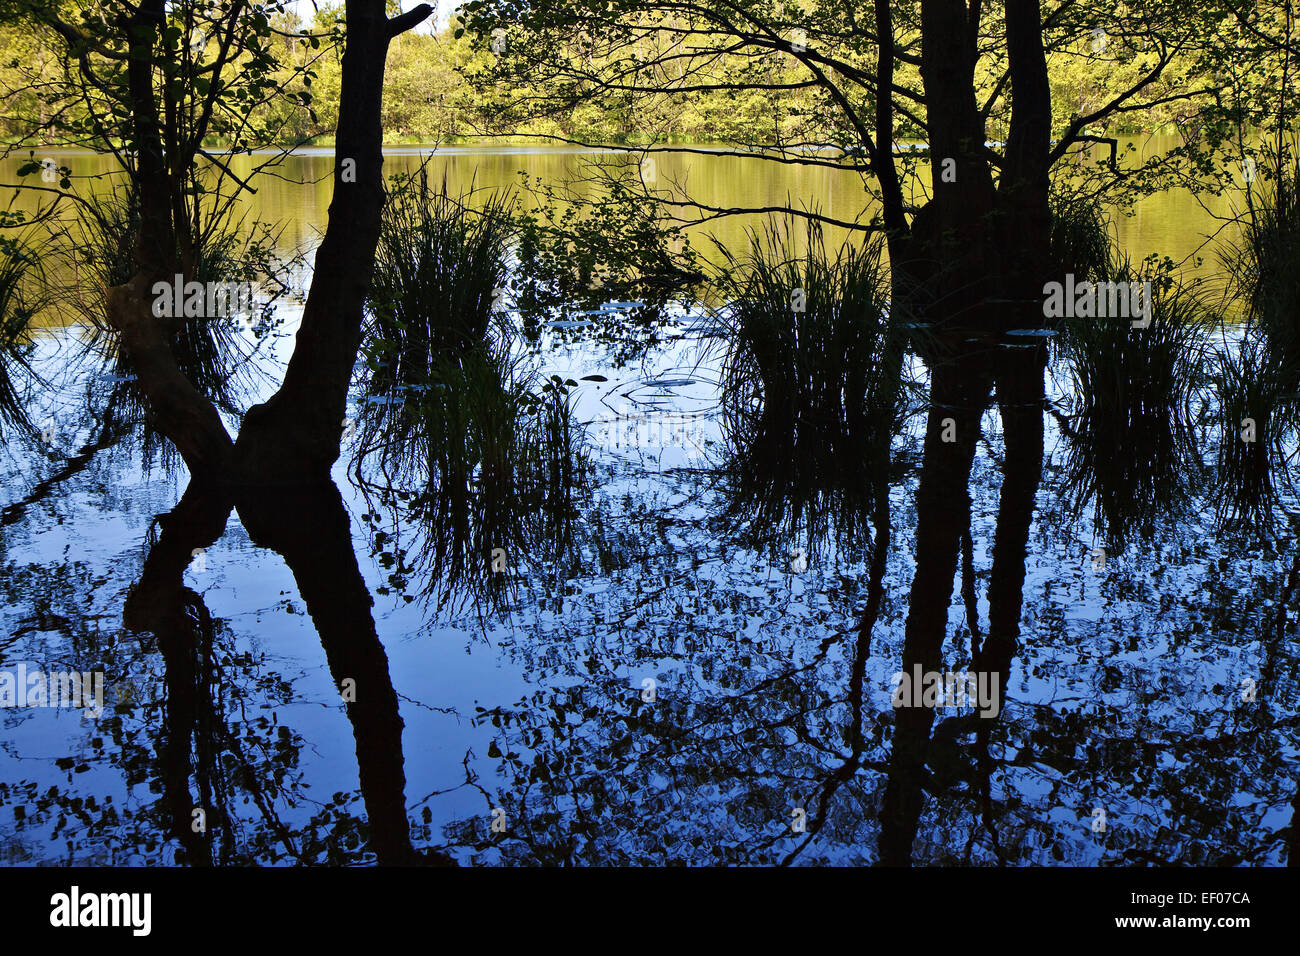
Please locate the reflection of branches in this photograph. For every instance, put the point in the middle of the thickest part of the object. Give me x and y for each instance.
(110, 433)
(160, 602)
(849, 768)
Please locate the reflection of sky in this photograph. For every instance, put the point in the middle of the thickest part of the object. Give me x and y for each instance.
(1125, 695)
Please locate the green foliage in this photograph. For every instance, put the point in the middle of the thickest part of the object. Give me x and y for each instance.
(454, 85)
(578, 252)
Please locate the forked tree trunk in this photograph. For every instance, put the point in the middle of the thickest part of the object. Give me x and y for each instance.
(959, 392)
(972, 242)
(293, 437)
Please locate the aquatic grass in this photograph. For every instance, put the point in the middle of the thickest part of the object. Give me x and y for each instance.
(1254, 417)
(19, 303)
(488, 460)
(439, 269)
(811, 384)
(1083, 241)
(1133, 448)
(211, 351)
(501, 467)
(1263, 270)
(1257, 376)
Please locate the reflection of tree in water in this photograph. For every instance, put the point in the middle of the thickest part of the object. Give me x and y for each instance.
(765, 703)
(711, 771)
(194, 707)
(242, 770)
(196, 739)
(766, 698)
(309, 528)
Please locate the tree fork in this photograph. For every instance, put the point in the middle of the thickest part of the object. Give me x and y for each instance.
(294, 436)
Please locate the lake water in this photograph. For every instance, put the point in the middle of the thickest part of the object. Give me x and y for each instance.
(297, 197)
(690, 688)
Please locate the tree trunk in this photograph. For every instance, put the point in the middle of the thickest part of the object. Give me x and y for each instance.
(160, 602)
(1023, 191)
(959, 235)
(186, 417)
(294, 436)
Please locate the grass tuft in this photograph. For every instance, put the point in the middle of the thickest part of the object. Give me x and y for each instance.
(1132, 446)
(488, 461)
(810, 397)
